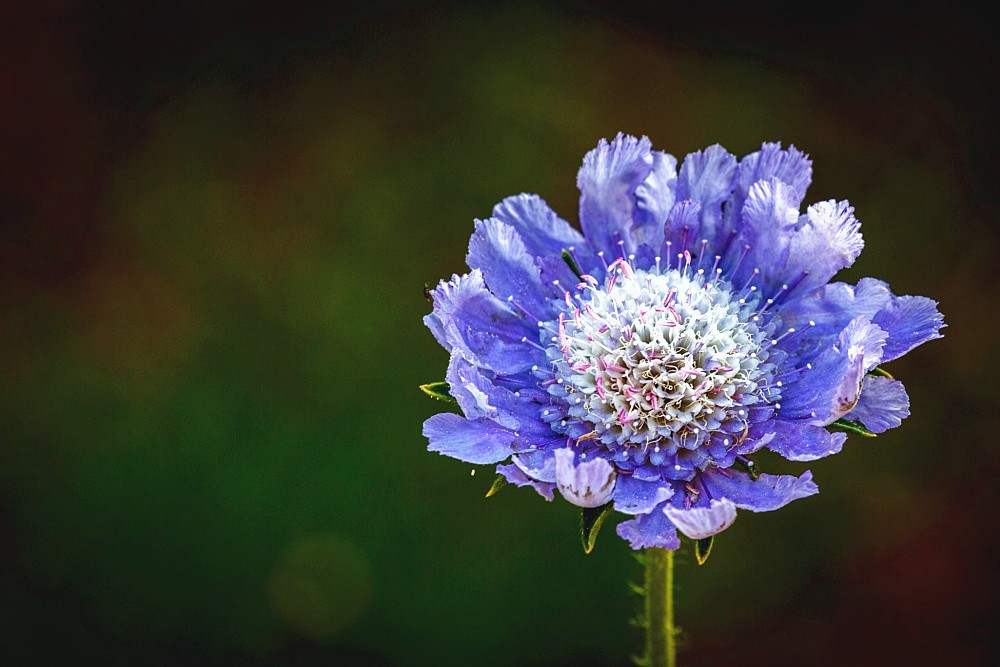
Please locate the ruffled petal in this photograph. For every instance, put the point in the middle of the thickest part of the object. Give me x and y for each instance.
(469, 318)
(608, 180)
(653, 200)
(508, 268)
(682, 230)
(827, 240)
(910, 321)
(760, 252)
(831, 387)
(543, 232)
(514, 475)
(477, 441)
(701, 522)
(708, 177)
(790, 166)
(480, 397)
(883, 404)
(540, 464)
(800, 440)
(650, 530)
(766, 493)
(587, 484)
(635, 496)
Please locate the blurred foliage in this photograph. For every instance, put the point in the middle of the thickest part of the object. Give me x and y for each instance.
(211, 355)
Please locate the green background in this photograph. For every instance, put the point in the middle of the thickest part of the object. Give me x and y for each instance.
(217, 228)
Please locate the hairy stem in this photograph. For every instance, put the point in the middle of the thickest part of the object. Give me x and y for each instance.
(661, 648)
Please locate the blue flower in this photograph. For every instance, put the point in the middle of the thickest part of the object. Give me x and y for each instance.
(692, 323)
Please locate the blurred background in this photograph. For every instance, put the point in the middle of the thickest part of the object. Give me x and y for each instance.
(216, 226)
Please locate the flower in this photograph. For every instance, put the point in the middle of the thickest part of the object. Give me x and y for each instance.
(692, 323)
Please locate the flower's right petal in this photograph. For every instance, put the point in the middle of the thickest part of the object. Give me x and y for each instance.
(829, 390)
(708, 177)
(508, 268)
(766, 493)
(650, 530)
(799, 440)
(468, 317)
(827, 240)
(477, 441)
(910, 321)
(771, 161)
(608, 180)
(699, 523)
(883, 404)
(759, 255)
(514, 475)
(587, 484)
(635, 496)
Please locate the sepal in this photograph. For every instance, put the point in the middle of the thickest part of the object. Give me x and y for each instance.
(850, 427)
(702, 549)
(591, 519)
(439, 390)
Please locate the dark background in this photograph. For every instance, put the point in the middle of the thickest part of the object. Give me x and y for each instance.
(216, 225)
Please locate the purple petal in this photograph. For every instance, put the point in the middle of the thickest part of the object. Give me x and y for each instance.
(480, 397)
(768, 222)
(832, 307)
(473, 441)
(516, 476)
(540, 464)
(883, 405)
(608, 180)
(790, 166)
(653, 200)
(766, 493)
(799, 440)
(543, 232)
(708, 177)
(635, 496)
(828, 239)
(701, 522)
(649, 530)
(588, 484)
(909, 321)
(469, 318)
(682, 229)
(508, 268)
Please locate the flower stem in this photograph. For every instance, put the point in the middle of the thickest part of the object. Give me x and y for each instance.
(661, 648)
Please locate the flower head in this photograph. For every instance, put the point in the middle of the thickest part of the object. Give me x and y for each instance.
(693, 323)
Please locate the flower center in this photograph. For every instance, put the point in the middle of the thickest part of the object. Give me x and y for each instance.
(657, 359)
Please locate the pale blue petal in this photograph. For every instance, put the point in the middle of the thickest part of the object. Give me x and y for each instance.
(799, 440)
(544, 232)
(827, 240)
(477, 441)
(766, 493)
(650, 530)
(608, 180)
(653, 200)
(790, 166)
(480, 397)
(681, 231)
(540, 465)
(699, 523)
(768, 222)
(635, 496)
(883, 404)
(586, 484)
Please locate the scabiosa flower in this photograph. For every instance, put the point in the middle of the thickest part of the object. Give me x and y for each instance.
(639, 365)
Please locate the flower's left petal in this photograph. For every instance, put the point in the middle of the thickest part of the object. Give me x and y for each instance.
(635, 496)
(701, 522)
(910, 321)
(759, 255)
(509, 269)
(829, 390)
(477, 441)
(514, 475)
(883, 404)
(650, 530)
(468, 317)
(608, 180)
(587, 484)
(827, 240)
(480, 397)
(799, 440)
(766, 493)
(653, 200)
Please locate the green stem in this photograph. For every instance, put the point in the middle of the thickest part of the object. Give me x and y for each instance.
(661, 633)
